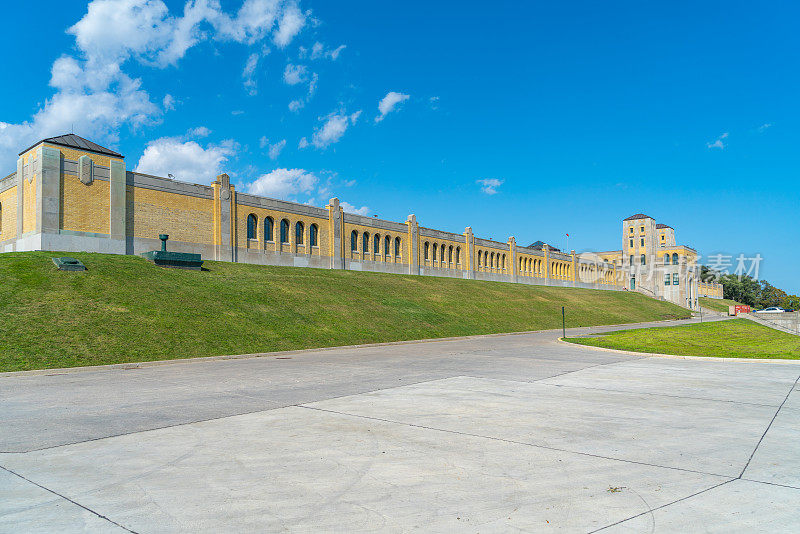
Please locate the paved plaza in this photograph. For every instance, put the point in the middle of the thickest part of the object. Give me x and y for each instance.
(516, 433)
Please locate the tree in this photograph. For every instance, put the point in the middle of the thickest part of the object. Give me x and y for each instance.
(770, 295)
(747, 290)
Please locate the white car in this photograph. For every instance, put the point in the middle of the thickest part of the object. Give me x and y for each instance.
(771, 309)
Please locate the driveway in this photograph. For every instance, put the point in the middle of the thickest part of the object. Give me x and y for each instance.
(515, 433)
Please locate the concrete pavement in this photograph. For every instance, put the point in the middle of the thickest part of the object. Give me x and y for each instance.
(496, 434)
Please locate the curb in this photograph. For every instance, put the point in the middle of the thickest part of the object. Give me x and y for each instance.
(679, 356)
(156, 363)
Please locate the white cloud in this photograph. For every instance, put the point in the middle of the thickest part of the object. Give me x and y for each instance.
(312, 86)
(349, 208)
(489, 185)
(318, 51)
(263, 142)
(186, 160)
(299, 103)
(276, 148)
(254, 20)
(95, 114)
(284, 183)
(94, 94)
(200, 131)
(168, 102)
(249, 72)
(332, 130)
(388, 104)
(292, 21)
(718, 143)
(294, 74)
(764, 127)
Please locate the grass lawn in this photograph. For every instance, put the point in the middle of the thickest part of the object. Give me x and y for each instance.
(736, 338)
(720, 305)
(124, 309)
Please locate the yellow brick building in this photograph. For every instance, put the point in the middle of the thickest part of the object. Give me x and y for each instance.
(651, 262)
(70, 194)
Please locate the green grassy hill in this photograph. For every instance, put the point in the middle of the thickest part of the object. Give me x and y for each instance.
(737, 338)
(719, 305)
(124, 309)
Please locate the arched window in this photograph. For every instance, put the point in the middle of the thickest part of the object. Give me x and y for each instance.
(314, 235)
(643, 259)
(479, 259)
(298, 233)
(458, 255)
(252, 224)
(268, 229)
(434, 248)
(397, 246)
(666, 259)
(491, 260)
(387, 243)
(485, 259)
(354, 241)
(675, 258)
(504, 262)
(450, 254)
(365, 243)
(284, 231)
(376, 244)
(442, 256)
(426, 251)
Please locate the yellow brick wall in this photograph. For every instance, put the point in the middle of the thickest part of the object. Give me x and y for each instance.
(185, 218)
(322, 248)
(8, 216)
(438, 243)
(215, 216)
(29, 195)
(73, 154)
(531, 265)
(348, 252)
(85, 208)
(482, 266)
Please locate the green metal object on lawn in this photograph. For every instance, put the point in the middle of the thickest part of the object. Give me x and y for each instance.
(174, 260)
(69, 264)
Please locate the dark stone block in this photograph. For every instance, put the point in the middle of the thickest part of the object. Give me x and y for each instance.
(175, 260)
(69, 264)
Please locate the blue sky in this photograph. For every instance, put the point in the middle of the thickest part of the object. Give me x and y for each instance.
(532, 119)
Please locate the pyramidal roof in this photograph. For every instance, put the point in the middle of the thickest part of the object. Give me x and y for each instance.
(76, 141)
(637, 216)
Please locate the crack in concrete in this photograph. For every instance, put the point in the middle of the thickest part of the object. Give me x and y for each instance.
(768, 427)
(727, 481)
(101, 516)
(505, 440)
(651, 510)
